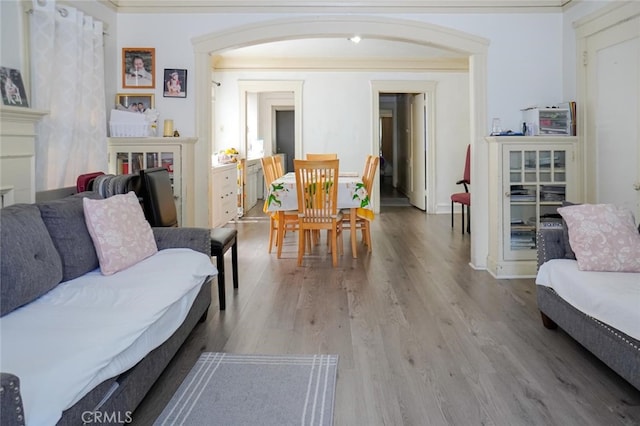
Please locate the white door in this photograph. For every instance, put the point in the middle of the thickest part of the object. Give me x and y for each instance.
(417, 163)
(613, 111)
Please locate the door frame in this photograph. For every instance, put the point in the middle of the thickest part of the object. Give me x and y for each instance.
(413, 88)
(259, 86)
(609, 16)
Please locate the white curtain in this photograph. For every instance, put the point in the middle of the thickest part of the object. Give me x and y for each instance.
(67, 70)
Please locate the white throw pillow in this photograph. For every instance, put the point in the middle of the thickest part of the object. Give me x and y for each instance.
(120, 233)
(603, 237)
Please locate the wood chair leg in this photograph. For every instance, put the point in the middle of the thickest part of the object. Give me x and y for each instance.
(271, 230)
(280, 233)
(367, 230)
(301, 245)
(462, 209)
(334, 247)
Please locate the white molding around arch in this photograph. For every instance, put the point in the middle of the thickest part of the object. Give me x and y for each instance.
(319, 26)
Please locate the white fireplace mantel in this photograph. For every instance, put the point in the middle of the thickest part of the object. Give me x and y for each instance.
(17, 153)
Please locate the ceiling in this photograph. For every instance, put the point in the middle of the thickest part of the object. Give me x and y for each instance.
(340, 53)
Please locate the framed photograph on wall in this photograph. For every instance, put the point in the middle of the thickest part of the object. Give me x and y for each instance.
(139, 67)
(175, 83)
(13, 93)
(135, 102)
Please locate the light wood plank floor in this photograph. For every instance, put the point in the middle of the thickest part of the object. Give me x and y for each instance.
(423, 338)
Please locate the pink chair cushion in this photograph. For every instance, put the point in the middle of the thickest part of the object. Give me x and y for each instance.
(462, 198)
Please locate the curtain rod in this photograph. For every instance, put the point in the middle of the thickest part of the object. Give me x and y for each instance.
(64, 13)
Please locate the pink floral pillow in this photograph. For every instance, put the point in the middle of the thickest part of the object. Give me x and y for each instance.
(603, 237)
(120, 233)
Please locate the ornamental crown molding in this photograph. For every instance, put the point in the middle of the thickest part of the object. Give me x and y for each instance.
(312, 6)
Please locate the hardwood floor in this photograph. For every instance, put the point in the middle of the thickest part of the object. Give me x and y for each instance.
(423, 338)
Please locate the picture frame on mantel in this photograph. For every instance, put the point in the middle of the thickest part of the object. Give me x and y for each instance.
(139, 67)
(134, 101)
(12, 88)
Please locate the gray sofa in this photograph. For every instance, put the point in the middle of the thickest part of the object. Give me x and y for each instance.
(615, 348)
(47, 243)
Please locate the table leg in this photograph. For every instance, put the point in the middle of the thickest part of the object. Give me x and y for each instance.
(352, 223)
(280, 231)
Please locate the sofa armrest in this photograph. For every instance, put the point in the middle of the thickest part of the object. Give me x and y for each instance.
(11, 400)
(198, 239)
(551, 244)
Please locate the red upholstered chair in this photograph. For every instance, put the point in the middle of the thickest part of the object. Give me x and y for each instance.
(464, 198)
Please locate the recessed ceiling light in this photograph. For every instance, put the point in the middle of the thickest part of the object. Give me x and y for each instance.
(356, 39)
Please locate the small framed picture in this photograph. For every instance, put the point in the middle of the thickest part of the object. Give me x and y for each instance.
(175, 83)
(138, 67)
(12, 88)
(134, 102)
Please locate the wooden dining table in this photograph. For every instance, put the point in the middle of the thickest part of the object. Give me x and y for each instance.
(282, 196)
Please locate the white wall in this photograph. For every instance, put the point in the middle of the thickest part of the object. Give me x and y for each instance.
(336, 108)
(524, 59)
(11, 37)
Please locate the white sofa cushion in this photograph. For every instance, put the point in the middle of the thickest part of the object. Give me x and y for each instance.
(65, 342)
(611, 297)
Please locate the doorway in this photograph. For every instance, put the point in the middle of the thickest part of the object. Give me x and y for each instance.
(285, 137)
(403, 140)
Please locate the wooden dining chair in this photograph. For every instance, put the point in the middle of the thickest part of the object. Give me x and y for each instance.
(317, 189)
(368, 176)
(322, 157)
(290, 218)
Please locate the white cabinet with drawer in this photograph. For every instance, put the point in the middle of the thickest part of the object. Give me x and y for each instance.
(224, 194)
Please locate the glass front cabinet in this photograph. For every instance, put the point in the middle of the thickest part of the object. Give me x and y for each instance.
(130, 155)
(530, 177)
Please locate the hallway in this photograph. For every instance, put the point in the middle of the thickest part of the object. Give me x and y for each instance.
(390, 196)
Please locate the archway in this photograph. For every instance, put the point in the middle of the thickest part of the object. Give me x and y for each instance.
(343, 26)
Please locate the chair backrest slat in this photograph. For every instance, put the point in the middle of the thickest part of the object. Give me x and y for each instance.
(268, 169)
(277, 164)
(370, 169)
(321, 157)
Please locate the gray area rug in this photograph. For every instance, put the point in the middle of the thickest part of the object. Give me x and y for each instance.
(227, 389)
